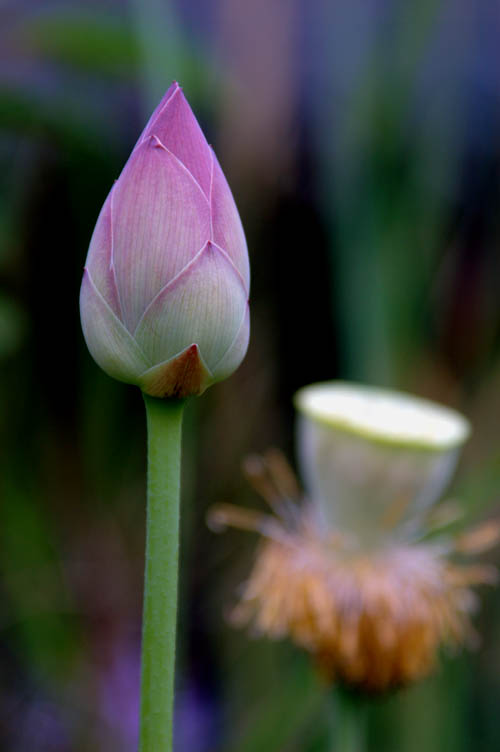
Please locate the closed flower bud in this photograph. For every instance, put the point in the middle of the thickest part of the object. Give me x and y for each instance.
(164, 298)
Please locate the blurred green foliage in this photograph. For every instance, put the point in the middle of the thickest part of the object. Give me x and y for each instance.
(365, 160)
(103, 45)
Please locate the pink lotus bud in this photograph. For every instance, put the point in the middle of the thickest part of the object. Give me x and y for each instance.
(164, 298)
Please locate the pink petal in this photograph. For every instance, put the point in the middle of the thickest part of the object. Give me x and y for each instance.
(203, 306)
(161, 220)
(174, 123)
(227, 230)
(100, 258)
(235, 352)
(110, 344)
(172, 89)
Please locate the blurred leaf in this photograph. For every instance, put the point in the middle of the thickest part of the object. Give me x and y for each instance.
(425, 716)
(479, 490)
(93, 43)
(75, 124)
(167, 54)
(285, 707)
(13, 326)
(38, 628)
(384, 177)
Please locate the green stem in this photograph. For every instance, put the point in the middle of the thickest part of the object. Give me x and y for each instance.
(349, 728)
(164, 422)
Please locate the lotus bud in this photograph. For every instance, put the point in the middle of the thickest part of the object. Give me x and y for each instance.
(164, 298)
(374, 460)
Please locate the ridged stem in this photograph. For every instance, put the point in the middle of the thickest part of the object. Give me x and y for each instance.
(164, 423)
(349, 728)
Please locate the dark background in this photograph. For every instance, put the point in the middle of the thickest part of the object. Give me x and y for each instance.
(361, 139)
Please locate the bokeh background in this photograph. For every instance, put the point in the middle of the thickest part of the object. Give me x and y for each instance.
(362, 142)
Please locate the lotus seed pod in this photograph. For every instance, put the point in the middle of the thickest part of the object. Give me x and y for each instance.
(375, 460)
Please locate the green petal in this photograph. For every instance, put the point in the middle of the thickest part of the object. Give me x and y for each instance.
(110, 344)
